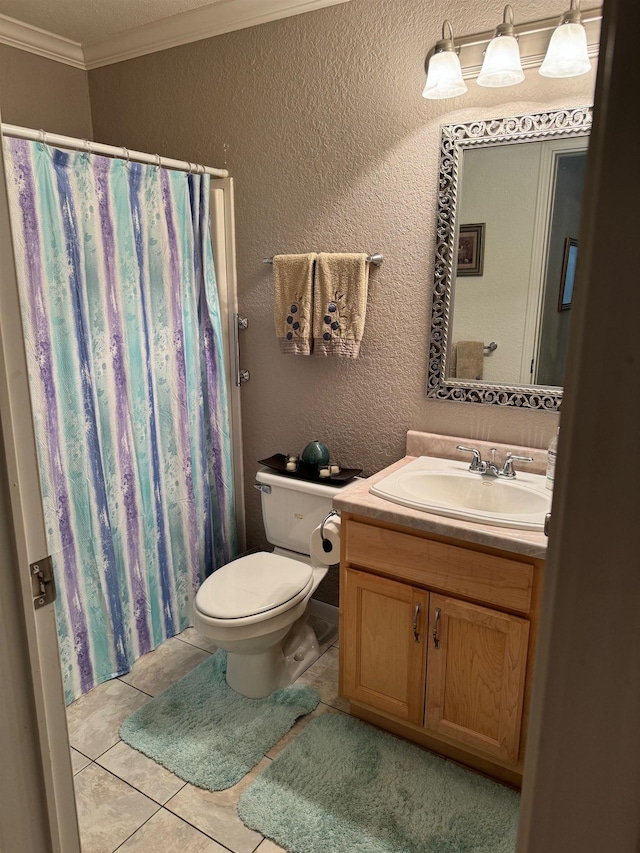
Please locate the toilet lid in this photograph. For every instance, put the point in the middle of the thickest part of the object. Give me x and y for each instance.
(253, 584)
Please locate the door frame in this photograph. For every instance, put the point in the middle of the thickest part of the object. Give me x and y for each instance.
(581, 785)
(56, 816)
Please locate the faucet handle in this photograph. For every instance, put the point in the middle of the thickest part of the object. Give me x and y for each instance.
(477, 465)
(507, 469)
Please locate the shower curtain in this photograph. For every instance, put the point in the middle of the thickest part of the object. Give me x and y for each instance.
(124, 348)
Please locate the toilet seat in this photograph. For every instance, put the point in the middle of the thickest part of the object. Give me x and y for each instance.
(253, 588)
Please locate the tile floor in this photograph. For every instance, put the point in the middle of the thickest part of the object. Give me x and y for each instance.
(127, 802)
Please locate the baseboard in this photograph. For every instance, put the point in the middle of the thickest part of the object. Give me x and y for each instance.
(325, 611)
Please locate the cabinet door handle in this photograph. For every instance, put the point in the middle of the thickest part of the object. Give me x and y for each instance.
(416, 614)
(436, 640)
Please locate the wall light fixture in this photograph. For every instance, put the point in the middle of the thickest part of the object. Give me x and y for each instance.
(444, 74)
(502, 66)
(567, 52)
(497, 58)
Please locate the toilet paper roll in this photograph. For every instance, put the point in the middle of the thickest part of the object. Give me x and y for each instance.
(328, 552)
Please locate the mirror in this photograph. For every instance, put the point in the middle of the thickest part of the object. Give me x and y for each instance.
(510, 193)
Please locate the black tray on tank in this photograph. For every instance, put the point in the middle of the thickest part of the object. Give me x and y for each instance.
(278, 462)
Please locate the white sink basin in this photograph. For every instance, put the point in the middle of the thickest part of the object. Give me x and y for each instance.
(447, 487)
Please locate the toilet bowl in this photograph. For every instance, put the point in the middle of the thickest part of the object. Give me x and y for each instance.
(256, 607)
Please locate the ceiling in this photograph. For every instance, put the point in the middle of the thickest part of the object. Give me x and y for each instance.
(91, 33)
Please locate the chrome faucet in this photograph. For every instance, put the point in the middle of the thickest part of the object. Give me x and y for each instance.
(490, 469)
(477, 465)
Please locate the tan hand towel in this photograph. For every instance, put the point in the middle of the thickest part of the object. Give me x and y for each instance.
(469, 359)
(293, 276)
(339, 303)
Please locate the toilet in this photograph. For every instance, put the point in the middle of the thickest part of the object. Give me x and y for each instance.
(256, 606)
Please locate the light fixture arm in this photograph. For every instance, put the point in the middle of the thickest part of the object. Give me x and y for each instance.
(446, 42)
(506, 28)
(573, 15)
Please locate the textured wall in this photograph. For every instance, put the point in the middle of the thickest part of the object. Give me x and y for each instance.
(38, 92)
(319, 119)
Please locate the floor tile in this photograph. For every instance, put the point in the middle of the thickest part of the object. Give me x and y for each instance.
(166, 832)
(323, 675)
(269, 846)
(158, 670)
(190, 635)
(144, 774)
(295, 730)
(78, 761)
(94, 719)
(214, 812)
(109, 810)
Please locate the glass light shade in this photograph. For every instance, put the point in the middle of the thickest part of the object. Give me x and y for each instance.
(444, 76)
(567, 52)
(501, 66)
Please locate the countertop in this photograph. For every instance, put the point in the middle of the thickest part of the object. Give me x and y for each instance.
(357, 499)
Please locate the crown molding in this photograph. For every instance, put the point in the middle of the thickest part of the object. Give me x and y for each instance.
(43, 43)
(533, 40)
(221, 17)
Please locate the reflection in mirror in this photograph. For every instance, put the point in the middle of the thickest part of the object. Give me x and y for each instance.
(528, 198)
(508, 221)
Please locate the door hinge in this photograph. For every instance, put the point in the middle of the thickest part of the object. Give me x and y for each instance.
(42, 582)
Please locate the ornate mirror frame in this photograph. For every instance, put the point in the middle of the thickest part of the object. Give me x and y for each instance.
(454, 139)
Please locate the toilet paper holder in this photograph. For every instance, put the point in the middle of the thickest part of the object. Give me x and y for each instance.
(326, 544)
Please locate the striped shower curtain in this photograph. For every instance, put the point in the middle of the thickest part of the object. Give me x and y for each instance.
(124, 347)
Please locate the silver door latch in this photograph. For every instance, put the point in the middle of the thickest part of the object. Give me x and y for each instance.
(42, 582)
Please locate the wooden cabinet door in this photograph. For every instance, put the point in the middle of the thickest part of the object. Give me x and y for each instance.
(384, 625)
(475, 675)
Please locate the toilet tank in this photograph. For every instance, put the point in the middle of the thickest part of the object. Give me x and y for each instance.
(293, 508)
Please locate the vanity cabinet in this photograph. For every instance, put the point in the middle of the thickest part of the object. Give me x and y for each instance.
(437, 641)
(384, 666)
(477, 667)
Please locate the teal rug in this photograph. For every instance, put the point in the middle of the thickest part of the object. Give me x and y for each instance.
(206, 733)
(343, 786)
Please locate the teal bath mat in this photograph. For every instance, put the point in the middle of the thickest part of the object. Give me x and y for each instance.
(206, 733)
(343, 785)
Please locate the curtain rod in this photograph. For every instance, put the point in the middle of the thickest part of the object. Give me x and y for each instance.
(120, 153)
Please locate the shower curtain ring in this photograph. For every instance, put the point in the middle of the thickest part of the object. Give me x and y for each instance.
(126, 151)
(43, 137)
(158, 160)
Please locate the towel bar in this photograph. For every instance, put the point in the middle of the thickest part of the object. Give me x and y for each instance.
(490, 347)
(376, 258)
